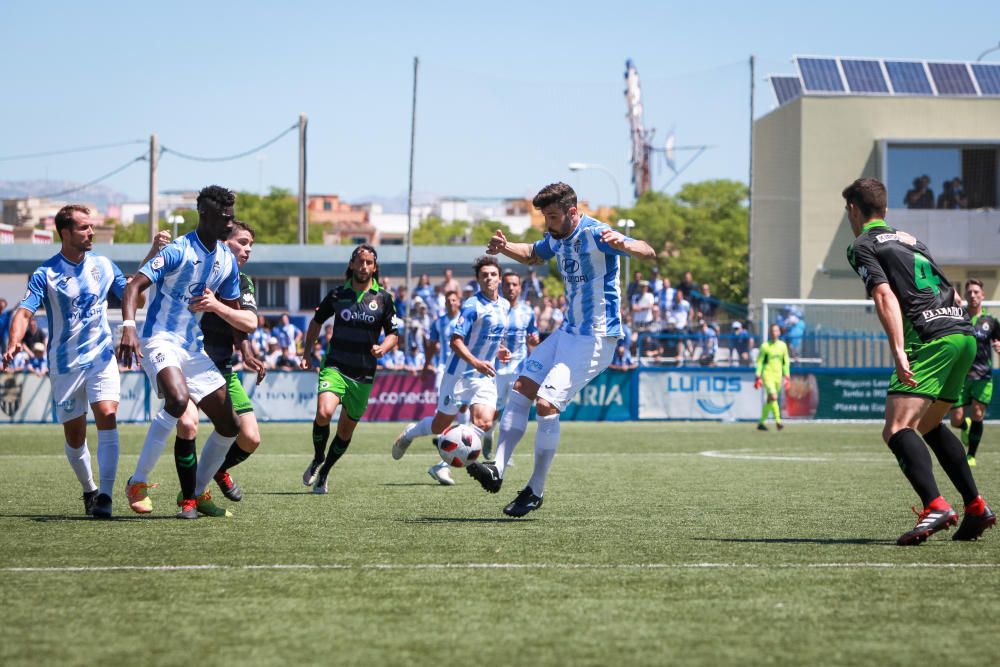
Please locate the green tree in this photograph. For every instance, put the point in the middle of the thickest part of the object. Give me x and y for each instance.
(435, 231)
(701, 229)
(484, 230)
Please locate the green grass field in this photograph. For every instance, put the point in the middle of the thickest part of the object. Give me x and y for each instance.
(658, 544)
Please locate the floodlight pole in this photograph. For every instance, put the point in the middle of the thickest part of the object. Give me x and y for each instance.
(303, 122)
(409, 205)
(154, 216)
(753, 87)
(989, 50)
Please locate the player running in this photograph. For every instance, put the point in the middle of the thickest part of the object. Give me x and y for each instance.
(477, 344)
(772, 372)
(172, 351)
(978, 388)
(362, 310)
(73, 287)
(521, 337)
(572, 356)
(217, 324)
(439, 353)
(933, 348)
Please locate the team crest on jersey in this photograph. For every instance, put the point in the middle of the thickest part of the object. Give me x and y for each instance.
(68, 404)
(576, 245)
(158, 358)
(373, 305)
(216, 268)
(95, 273)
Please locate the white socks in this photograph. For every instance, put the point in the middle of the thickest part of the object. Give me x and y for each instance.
(212, 456)
(107, 459)
(420, 429)
(79, 461)
(512, 427)
(160, 429)
(546, 442)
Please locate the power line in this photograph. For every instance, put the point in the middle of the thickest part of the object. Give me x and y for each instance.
(65, 151)
(226, 158)
(106, 176)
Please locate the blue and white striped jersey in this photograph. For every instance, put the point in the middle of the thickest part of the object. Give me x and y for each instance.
(590, 273)
(75, 297)
(181, 271)
(520, 324)
(440, 332)
(481, 324)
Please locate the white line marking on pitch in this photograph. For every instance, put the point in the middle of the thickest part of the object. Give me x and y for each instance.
(743, 455)
(504, 566)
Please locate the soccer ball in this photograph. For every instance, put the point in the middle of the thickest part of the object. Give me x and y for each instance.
(459, 445)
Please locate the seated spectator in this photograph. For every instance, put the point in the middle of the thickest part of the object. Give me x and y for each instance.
(622, 359)
(394, 360)
(920, 195)
(793, 329)
(425, 292)
(288, 360)
(687, 287)
(952, 195)
(288, 334)
(258, 339)
(414, 359)
(318, 353)
(35, 334)
(642, 307)
(633, 286)
(708, 344)
(708, 305)
(739, 349)
(680, 311)
(325, 335)
(19, 364)
(655, 281)
(37, 363)
(664, 300)
(273, 353)
(650, 350)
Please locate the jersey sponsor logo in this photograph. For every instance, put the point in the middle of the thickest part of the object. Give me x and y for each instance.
(85, 306)
(863, 272)
(533, 365)
(349, 315)
(902, 237)
(949, 312)
(195, 289)
(27, 295)
(570, 266)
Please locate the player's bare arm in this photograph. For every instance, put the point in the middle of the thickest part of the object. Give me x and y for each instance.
(128, 348)
(519, 252)
(385, 346)
(460, 348)
(634, 247)
(243, 320)
(891, 317)
(312, 335)
(18, 325)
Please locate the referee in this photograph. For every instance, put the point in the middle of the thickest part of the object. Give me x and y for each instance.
(362, 311)
(933, 347)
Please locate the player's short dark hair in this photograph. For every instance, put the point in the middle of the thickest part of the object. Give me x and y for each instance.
(450, 292)
(485, 260)
(364, 247)
(869, 195)
(64, 218)
(555, 193)
(216, 197)
(510, 272)
(239, 224)
(973, 281)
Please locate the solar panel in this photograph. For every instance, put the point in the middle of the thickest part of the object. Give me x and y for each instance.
(988, 77)
(952, 79)
(864, 76)
(786, 88)
(908, 78)
(820, 74)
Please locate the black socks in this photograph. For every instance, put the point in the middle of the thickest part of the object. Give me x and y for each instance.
(186, 461)
(915, 462)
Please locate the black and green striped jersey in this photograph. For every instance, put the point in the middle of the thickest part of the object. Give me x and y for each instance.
(218, 339)
(882, 254)
(360, 317)
(987, 330)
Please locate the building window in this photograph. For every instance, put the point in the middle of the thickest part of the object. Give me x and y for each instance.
(358, 240)
(310, 292)
(942, 176)
(271, 292)
(327, 205)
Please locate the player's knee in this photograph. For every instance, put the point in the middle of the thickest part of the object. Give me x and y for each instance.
(545, 409)
(187, 425)
(888, 431)
(176, 404)
(227, 425)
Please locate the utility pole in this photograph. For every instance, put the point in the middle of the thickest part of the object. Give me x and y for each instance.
(303, 121)
(750, 303)
(154, 216)
(409, 204)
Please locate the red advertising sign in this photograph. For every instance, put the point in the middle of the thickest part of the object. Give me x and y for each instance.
(401, 397)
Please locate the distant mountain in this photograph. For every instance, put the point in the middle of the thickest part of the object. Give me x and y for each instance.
(99, 195)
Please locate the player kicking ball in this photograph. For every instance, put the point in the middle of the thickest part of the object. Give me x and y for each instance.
(439, 354)
(73, 287)
(572, 356)
(172, 351)
(477, 346)
(933, 347)
(362, 311)
(772, 368)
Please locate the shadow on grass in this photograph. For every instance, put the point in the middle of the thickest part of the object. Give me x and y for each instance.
(430, 483)
(463, 519)
(305, 492)
(59, 517)
(796, 540)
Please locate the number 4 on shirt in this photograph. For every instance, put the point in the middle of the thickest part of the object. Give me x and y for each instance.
(924, 274)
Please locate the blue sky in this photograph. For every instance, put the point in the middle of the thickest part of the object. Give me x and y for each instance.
(509, 93)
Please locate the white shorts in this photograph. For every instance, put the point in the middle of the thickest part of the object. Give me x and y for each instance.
(199, 371)
(72, 392)
(564, 363)
(456, 391)
(505, 383)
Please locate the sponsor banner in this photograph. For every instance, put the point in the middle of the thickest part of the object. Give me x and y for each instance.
(838, 394)
(727, 395)
(132, 403)
(607, 398)
(25, 398)
(282, 396)
(402, 397)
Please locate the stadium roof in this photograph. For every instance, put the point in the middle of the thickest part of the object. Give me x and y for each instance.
(274, 260)
(841, 75)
